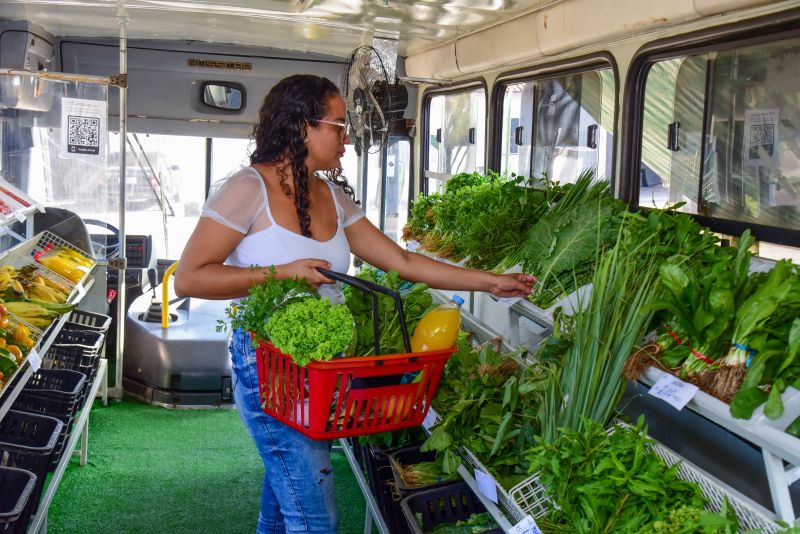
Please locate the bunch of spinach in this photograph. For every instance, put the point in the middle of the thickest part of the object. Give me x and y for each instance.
(769, 329)
(416, 301)
(701, 303)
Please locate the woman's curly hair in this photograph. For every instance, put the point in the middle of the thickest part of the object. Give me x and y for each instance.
(280, 132)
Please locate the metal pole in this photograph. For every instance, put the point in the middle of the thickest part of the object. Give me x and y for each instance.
(122, 20)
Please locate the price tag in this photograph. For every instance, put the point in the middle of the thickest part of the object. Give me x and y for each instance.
(507, 302)
(430, 419)
(34, 360)
(526, 526)
(412, 245)
(486, 485)
(673, 390)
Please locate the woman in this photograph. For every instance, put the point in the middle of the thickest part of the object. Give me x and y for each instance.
(280, 212)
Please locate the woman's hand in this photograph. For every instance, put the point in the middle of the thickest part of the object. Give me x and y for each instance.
(513, 285)
(307, 269)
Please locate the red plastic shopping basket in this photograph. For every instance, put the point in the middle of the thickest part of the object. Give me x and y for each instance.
(350, 396)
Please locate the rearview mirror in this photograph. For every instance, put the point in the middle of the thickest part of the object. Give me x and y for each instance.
(223, 95)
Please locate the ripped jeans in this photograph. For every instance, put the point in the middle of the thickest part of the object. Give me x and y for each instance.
(297, 495)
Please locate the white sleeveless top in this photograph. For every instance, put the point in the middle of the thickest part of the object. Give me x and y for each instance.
(240, 202)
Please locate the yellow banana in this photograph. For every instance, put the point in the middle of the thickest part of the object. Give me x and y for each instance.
(27, 310)
(39, 322)
(55, 285)
(5, 281)
(17, 288)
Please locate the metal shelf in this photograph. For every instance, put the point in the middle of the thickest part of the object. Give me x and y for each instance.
(80, 430)
(776, 445)
(372, 512)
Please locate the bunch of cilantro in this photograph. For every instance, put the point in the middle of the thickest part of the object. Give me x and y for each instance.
(290, 313)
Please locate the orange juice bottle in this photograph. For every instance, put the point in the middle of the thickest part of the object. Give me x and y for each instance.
(438, 329)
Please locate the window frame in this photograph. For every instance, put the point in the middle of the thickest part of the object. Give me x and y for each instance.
(427, 95)
(771, 28)
(548, 71)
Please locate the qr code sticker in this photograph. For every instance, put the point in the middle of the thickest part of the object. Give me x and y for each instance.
(84, 135)
(762, 136)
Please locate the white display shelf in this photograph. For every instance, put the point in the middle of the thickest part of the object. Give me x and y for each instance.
(80, 431)
(776, 445)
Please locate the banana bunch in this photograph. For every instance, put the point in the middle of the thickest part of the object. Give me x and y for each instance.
(27, 282)
(39, 314)
(8, 274)
(45, 290)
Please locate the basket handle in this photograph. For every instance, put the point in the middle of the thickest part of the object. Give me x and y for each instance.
(373, 289)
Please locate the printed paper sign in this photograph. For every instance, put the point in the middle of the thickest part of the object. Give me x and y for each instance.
(430, 419)
(673, 390)
(412, 245)
(761, 137)
(486, 485)
(34, 360)
(526, 526)
(507, 302)
(84, 128)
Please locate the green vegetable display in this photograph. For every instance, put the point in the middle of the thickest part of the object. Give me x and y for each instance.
(605, 482)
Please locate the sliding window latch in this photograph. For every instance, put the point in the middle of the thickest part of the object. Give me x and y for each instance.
(518, 135)
(472, 136)
(438, 135)
(591, 136)
(672, 136)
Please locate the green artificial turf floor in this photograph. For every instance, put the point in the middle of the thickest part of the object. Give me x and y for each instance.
(153, 470)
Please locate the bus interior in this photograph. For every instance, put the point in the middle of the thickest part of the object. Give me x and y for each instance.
(691, 105)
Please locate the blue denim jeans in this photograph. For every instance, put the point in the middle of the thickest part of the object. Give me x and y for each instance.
(297, 495)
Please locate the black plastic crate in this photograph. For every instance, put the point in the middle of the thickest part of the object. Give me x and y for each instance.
(16, 486)
(381, 482)
(27, 442)
(62, 411)
(88, 341)
(61, 445)
(442, 504)
(410, 456)
(86, 320)
(63, 384)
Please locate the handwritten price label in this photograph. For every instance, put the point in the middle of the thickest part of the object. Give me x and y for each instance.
(486, 485)
(526, 526)
(430, 419)
(673, 390)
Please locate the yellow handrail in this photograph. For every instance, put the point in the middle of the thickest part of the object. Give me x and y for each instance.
(165, 295)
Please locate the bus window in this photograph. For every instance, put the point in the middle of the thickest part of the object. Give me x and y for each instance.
(398, 164)
(674, 101)
(517, 128)
(559, 127)
(456, 135)
(228, 156)
(745, 165)
(570, 134)
(165, 187)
